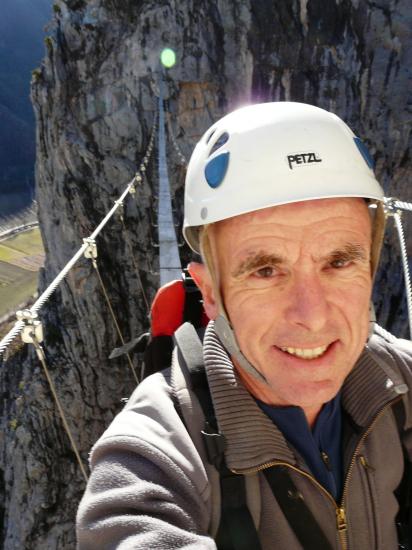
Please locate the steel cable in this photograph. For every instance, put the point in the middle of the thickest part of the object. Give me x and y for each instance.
(119, 332)
(130, 188)
(136, 267)
(405, 265)
(42, 358)
(172, 137)
(403, 205)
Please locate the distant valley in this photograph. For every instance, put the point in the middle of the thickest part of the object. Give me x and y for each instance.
(21, 50)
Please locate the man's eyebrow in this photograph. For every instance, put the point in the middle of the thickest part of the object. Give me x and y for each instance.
(350, 251)
(255, 261)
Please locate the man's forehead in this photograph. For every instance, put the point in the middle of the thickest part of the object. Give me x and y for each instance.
(309, 211)
(316, 224)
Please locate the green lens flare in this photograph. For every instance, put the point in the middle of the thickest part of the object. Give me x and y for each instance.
(168, 58)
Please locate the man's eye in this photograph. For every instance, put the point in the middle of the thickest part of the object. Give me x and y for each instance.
(265, 272)
(337, 264)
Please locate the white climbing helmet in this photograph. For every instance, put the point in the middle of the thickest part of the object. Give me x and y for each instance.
(270, 154)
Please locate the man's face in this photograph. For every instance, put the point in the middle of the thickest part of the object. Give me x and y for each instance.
(296, 284)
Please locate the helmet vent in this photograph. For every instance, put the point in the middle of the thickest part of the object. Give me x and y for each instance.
(367, 157)
(209, 137)
(216, 168)
(219, 142)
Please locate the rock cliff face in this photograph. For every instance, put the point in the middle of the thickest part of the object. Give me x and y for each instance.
(95, 105)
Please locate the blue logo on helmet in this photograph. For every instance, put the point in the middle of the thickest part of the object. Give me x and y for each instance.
(364, 152)
(216, 169)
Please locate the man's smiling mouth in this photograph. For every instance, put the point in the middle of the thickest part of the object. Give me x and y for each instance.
(306, 353)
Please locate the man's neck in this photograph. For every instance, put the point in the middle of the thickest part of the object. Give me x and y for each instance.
(264, 394)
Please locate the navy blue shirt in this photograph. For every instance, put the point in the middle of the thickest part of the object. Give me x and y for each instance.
(320, 447)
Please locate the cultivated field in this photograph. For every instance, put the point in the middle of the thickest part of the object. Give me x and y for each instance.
(21, 257)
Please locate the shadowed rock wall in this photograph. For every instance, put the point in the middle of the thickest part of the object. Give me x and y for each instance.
(95, 105)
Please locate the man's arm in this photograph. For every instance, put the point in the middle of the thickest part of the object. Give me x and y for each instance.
(148, 488)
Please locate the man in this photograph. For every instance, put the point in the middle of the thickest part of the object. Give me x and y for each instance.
(313, 409)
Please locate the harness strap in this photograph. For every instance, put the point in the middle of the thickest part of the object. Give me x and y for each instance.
(236, 530)
(293, 506)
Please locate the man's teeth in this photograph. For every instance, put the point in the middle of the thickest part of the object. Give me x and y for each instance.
(306, 353)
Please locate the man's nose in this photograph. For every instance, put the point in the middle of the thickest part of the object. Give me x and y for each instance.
(307, 304)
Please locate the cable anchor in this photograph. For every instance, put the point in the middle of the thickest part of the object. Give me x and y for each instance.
(91, 251)
(32, 332)
(390, 206)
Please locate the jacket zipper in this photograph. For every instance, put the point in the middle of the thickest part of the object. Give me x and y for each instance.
(365, 434)
(339, 508)
(367, 470)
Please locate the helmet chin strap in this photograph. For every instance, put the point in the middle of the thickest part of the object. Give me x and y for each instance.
(372, 320)
(227, 336)
(223, 328)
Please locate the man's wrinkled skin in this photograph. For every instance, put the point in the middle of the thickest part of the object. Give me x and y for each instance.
(295, 276)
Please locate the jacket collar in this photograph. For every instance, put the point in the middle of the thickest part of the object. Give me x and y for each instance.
(251, 437)
(372, 383)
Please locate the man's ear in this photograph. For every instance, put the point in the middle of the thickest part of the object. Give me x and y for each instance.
(202, 278)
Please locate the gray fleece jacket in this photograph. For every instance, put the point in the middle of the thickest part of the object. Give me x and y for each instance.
(152, 488)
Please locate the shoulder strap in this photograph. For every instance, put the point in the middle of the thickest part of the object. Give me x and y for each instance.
(300, 518)
(236, 530)
(190, 346)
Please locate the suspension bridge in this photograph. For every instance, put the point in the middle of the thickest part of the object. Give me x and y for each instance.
(29, 327)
